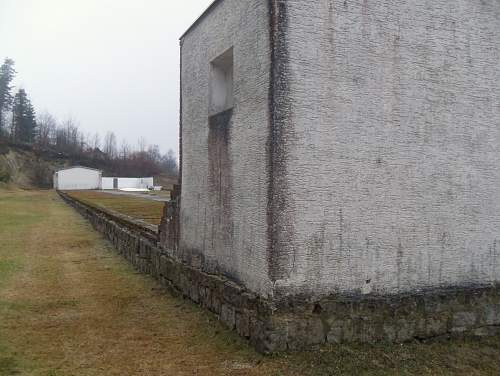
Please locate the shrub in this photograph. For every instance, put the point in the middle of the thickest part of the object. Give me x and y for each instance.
(42, 175)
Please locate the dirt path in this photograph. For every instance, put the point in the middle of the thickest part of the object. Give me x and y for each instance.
(70, 306)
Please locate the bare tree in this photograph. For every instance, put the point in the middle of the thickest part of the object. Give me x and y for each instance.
(46, 129)
(153, 154)
(96, 141)
(68, 137)
(169, 163)
(125, 150)
(142, 144)
(110, 145)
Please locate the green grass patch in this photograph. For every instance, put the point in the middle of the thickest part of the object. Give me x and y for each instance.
(7, 268)
(8, 365)
(11, 363)
(136, 207)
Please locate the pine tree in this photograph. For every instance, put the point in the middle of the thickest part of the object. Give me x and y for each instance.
(23, 118)
(7, 74)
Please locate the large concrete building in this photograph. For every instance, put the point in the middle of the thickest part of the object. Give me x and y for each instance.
(341, 147)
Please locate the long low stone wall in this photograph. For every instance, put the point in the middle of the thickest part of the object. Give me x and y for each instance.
(293, 323)
(239, 309)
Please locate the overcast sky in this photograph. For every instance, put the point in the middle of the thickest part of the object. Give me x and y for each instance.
(110, 64)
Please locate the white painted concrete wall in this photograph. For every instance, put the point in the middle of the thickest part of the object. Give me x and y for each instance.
(107, 183)
(221, 83)
(224, 193)
(139, 183)
(390, 151)
(77, 178)
(393, 159)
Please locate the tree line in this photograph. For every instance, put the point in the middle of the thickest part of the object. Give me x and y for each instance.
(20, 125)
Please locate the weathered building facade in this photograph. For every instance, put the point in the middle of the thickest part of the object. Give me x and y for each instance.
(225, 158)
(343, 148)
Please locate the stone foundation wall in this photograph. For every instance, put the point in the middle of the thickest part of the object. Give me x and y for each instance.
(293, 323)
(238, 308)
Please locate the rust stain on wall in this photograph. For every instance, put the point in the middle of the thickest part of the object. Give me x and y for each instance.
(219, 172)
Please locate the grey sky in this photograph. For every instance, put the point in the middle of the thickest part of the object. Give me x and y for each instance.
(110, 64)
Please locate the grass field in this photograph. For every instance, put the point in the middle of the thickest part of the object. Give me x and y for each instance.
(70, 306)
(147, 210)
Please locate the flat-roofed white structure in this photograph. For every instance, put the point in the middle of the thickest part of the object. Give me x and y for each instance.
(77, 178)
(124, 183)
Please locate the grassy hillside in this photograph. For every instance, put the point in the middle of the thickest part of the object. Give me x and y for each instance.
(27, 167)
(24, 168)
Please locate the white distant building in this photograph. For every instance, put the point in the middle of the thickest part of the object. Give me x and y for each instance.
(127, 183)
(77, 178)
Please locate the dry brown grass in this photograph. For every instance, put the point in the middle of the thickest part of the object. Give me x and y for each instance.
(73, 307)
(147, 210)
(70, 306)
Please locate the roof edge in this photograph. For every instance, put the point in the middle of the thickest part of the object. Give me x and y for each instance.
(125, 177)
(78, 166)
(201, 17)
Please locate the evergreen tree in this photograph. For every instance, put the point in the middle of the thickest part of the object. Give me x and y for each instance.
(23, 118)
(7, 73)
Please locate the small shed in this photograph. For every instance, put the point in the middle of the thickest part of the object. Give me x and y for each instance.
(124, 183)
(77, 178)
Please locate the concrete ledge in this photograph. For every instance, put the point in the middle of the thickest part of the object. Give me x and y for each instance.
(295, 323)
